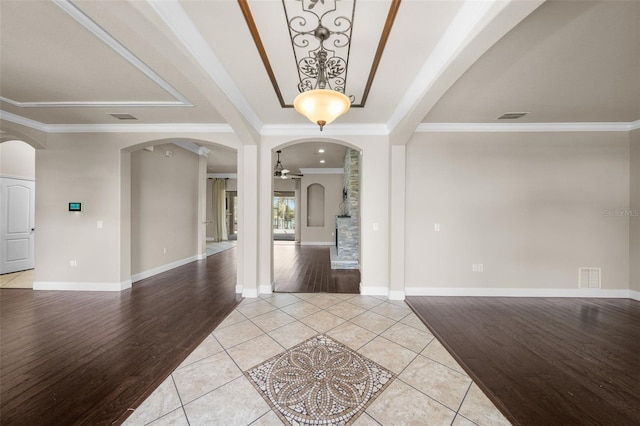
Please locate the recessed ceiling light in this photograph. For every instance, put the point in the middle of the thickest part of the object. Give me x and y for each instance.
(321, 150)
(322, 161)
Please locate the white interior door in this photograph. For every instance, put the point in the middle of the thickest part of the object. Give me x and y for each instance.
(17, 225)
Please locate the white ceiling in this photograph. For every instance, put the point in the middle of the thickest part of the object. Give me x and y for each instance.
(195, 62)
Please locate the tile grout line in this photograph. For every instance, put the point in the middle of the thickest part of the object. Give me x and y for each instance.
(175, 386)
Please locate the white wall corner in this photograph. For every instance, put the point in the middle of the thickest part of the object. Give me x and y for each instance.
(250, 293)
(396, 295)
(518, 292)
(163, 268)
(201, 256)
(266, 288)
(79, 286)
(373, 291)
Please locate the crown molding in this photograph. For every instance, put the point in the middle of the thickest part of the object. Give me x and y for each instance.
(81, 104)
(26, 122)
(139, 128)
(321, 171)
(311, 130)
(192, 147)
(177, 19)
(469, 15)
(117, 128)
(528, 127)
(114, 44)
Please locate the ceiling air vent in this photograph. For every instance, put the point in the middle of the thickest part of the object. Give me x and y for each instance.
(123, 116)
(590, 277)
(512, 115)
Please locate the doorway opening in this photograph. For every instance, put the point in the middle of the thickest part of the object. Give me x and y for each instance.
(284, 216)
(306, 205)
(17, 224)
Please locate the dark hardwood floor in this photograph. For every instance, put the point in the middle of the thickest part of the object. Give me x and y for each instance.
(307, 269)
(545, 361)
(86, 357)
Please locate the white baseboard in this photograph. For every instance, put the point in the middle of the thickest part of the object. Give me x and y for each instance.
(250, 292)
(396, 295)
(201, 256)
(373, 291)
(519, 292)
(635, 295)
(75, 286)
(266, 289)
(164, 268)
(211, 239)
(317, 243)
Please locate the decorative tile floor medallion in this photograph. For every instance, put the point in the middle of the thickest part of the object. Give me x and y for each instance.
(319, 382)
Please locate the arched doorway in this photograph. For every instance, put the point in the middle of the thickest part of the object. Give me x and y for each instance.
(174, 205)
(17, 226)
(322, 174)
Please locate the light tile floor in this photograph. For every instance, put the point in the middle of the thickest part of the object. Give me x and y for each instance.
(209, 387)
(22, 279)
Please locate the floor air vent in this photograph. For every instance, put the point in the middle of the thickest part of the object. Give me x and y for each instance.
(590, 277)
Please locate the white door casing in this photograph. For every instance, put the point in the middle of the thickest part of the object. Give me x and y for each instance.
(17, 224)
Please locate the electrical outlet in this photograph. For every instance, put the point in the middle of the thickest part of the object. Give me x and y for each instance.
(480, 267)
(164, 250)
(474, 267)
(99, 224)
(73, 263)
(436, 227)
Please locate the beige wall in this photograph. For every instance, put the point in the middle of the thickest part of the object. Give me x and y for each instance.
(332, 198)
(634, 225)
(531, 207)
(18, 160)
(81, 168)
(164, 200)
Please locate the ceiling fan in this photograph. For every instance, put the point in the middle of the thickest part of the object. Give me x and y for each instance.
(282, 173)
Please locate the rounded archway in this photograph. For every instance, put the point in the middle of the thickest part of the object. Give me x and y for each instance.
(322, 175)
(173, 204)
(17, 221)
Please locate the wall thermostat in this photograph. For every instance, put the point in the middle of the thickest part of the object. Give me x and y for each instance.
(75, 207)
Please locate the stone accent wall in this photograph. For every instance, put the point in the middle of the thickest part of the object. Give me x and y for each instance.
(348, 235)
(352, 182)
(348, 228)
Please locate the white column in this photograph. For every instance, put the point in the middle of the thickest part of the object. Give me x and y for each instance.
(265, 240)
(397, 222)
(202, 203)
(248, 221)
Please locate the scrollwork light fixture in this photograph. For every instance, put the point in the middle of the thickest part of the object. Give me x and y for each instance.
(322, 71)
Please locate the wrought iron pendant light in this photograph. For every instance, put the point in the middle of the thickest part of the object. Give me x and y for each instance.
(318, 100)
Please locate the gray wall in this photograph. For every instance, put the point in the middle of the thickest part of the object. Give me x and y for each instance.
(634, 225)
(531, 207)
(164, 200)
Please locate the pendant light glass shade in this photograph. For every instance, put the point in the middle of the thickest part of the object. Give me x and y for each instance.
(321, 106)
